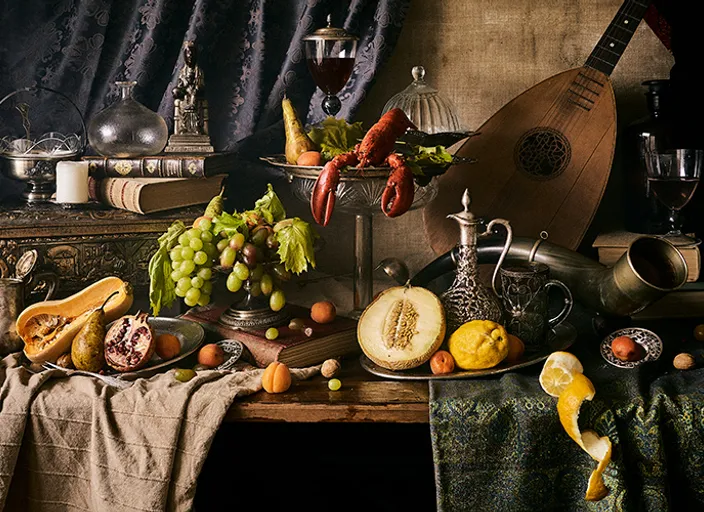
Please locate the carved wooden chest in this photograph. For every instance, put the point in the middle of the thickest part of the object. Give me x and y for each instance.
(87, 244)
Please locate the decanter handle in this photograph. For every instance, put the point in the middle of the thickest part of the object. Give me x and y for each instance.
(504, 252)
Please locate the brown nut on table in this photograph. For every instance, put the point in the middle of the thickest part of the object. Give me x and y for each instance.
(330, 368)
(684, 361)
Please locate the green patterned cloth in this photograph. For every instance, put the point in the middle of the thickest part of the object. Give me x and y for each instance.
(498, 443)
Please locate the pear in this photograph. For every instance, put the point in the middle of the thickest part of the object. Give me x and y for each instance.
(88, 347)
(297, 140)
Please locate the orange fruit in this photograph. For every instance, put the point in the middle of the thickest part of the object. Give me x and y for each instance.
(211, 355)
(516, 348)
(323, 312)
(167, 346)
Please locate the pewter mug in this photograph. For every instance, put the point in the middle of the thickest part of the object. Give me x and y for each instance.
(525, 299)
(13, 293)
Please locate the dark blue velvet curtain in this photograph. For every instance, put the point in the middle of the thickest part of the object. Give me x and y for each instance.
(250, 51)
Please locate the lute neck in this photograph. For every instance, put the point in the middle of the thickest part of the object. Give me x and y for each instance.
(612, 44)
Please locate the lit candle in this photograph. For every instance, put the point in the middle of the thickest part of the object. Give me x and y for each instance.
(72, 182)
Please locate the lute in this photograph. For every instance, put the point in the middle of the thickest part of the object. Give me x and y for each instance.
(543, 160)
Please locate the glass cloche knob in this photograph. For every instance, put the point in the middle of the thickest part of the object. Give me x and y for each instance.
(430, 110)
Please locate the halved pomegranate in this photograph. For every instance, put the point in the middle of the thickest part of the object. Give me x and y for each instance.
(129, 343)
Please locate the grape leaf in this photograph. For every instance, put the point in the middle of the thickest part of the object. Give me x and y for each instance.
(270, 206)
(336, 136)
(295, 238)
(230, 224)
(162, 289)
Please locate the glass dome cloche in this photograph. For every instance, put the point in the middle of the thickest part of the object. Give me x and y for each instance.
(432, 112)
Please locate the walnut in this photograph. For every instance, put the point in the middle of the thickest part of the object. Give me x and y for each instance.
(330, 368)
(684, 361)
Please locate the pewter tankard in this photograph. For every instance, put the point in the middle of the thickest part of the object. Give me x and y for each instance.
(13, 293)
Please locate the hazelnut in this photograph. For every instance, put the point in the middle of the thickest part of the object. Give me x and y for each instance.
(65, 361)
(330, 368)
(683, 361)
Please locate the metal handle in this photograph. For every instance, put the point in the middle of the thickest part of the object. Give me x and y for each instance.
(51, 280)
(560, 317)
(84, 139)
(507, 245)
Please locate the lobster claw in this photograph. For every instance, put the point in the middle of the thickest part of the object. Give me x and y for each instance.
(397, 197)
(322, 199)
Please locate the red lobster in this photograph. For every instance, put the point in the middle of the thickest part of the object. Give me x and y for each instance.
(375, 149)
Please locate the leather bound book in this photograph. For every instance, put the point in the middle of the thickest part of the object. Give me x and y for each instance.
(148, 195)
(172, 165)
(292, 348)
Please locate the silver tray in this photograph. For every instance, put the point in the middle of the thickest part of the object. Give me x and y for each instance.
(560, 338)
(190, 335)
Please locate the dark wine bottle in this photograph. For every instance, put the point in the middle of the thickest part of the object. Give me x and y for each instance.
(643, 212)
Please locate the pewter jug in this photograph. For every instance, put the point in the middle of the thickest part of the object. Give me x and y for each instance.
(13, 293)
(467, 299)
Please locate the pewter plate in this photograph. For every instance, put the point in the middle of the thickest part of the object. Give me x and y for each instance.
(560, 338)
(651, 343)
(189, 334)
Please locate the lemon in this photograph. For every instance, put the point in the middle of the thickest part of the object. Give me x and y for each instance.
(558, 371)
(479, 344)
(599, 448)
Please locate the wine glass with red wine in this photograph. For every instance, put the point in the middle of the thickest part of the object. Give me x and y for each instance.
(330, 54)
(673, 176)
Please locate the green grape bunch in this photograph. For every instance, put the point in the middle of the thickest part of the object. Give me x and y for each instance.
(258, 249)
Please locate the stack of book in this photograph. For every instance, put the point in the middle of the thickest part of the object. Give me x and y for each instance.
(156, 183)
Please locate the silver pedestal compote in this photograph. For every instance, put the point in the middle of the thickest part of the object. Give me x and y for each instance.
(359, 194)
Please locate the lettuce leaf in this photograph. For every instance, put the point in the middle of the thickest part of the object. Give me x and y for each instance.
(336, 136)
(295, 238)
(421, 156)
(162, 289)
(270, 207)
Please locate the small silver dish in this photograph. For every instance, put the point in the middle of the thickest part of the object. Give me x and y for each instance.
(233, 352)
(651, 343)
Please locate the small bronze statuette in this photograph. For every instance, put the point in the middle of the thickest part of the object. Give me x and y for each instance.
(190, 108)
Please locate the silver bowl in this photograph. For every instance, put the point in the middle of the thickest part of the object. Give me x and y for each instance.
(37, 170)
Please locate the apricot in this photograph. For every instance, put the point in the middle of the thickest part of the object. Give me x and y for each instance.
(625, 349)
(323, 312)
(310, 158)
(442, 362)
(516, 348)
(276, 378)
(211, 355)
(167, 346)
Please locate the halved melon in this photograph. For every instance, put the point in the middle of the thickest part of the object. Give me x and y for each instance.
(48, 328)
(402, 328)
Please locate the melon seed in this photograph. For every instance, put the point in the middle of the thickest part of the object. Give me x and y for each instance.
(400, 325)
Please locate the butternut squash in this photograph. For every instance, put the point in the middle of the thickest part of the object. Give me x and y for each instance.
(48, 328)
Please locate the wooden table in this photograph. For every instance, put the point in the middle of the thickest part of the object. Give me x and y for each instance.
(362, 398)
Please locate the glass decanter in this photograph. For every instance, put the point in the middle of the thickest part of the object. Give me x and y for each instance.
(127, 128)
(467, 299)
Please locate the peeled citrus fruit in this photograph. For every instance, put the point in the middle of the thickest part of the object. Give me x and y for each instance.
(558, 371)
(599, 448)
(478, 344)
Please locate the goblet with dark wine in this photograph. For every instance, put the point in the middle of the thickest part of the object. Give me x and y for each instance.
(673, 177)
(330, 54)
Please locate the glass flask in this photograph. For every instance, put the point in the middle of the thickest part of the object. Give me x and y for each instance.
(430, 110)
(127, 128)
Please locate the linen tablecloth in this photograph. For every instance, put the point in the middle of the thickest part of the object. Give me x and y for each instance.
(79, 444)
(498, 443)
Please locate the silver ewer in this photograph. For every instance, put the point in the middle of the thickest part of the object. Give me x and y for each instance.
(467, 299)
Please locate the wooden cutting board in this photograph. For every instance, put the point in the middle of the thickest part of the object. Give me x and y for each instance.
(544, 158)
